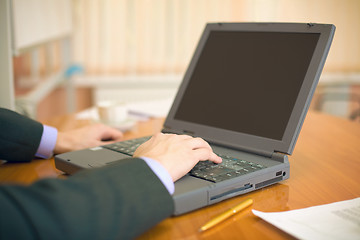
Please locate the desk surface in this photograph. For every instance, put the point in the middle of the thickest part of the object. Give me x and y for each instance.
(324, 168)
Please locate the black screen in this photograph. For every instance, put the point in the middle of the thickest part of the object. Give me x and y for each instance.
(248, 82)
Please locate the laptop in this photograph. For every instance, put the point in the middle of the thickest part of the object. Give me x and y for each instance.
(246, 91)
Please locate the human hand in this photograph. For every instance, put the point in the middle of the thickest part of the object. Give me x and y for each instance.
(177, 153)
(86, 137)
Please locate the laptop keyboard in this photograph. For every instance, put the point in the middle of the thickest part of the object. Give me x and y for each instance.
(127, 147)
(229, 168)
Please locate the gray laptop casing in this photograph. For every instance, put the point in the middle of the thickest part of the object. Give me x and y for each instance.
(240, 59)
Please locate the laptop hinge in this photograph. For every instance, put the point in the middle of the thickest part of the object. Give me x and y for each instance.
(279, 156)
(169, 130)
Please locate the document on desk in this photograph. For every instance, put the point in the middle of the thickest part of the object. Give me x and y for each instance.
(340, 220)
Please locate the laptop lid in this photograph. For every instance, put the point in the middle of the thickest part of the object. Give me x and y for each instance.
(249, 85)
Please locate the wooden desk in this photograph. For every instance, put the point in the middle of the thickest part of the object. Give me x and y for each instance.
(325, 168)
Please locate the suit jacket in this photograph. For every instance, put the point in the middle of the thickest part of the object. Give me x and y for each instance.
(19, 136)
(119, 201)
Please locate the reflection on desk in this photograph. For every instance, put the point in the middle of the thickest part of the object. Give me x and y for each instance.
(324, 168)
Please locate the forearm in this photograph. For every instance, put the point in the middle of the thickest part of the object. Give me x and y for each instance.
(116, 202)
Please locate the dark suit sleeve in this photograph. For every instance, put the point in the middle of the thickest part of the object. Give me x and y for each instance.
(119, 201)
(19, 136)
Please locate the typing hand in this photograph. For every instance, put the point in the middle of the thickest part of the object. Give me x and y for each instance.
(177, 153)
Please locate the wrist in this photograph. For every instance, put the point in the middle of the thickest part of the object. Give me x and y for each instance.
(63, 143)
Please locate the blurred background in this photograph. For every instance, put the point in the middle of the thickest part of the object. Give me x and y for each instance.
(66, 55)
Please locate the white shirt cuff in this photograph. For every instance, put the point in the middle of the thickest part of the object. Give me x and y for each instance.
(47, 142)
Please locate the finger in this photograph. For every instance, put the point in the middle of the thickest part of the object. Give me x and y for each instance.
(203, 144)
(199, 143)
(105, 142)
(158, 136)
(184, 136)
(203, 154)
(174, 137)
(162, 138)
(215, 158)
(111, 134)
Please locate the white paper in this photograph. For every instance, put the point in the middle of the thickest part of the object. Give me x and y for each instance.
(142, 110)
(340, 220)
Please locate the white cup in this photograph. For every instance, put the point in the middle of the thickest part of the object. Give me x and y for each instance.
(112, 112)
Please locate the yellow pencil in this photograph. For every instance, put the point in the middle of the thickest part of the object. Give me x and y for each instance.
(221, 217)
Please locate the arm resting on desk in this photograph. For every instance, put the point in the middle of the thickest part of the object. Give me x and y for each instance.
(119, 201)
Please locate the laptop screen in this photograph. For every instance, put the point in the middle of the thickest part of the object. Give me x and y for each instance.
(249, 85)
(248, 81)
